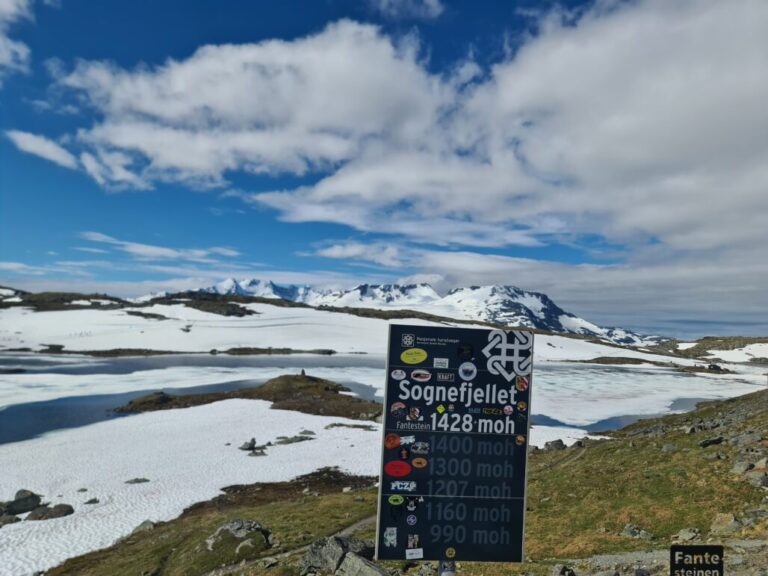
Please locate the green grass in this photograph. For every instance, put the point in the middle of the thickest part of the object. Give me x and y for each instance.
(578, 499)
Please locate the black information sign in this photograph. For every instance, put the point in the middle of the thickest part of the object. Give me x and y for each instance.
(696, 560)
(455, 444)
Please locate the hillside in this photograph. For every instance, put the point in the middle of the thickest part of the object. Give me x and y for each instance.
(608, 506)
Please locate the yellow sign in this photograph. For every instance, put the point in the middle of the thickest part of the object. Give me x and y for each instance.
(413, 356)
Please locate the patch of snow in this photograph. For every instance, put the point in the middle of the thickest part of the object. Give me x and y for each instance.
(686, 345)
(7, 292)
(745, 354)
(79, 303)
(181, 452)
(12, 299)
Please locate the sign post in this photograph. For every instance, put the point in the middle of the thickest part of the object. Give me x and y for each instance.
(455, 442)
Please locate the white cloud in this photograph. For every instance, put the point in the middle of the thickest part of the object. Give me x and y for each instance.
(152, 252)
(43, 147)
(379, 253)
(642, 125)
(14, 55)
(426, 9)
(270, 107)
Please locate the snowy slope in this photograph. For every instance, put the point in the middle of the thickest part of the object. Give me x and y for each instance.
(505, 305)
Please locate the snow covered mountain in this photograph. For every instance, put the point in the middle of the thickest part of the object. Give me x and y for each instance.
(505, 305)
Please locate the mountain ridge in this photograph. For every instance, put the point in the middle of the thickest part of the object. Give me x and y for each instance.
(498, 304)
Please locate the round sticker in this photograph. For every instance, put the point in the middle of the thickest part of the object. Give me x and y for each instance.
(391, 441)
(419, 462)
(398, 410)
(411, 519)
(521, 406)
(467, 371)
(398, 374)
(421, 375)
(396, 500)
(521, 383)
(450, 552)
(397, 468)
(519, 440)
(413, 356)
(508, 410)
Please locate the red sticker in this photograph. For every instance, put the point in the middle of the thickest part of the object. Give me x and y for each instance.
(397, 468)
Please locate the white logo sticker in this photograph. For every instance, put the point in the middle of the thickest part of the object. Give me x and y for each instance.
(440, 363)
(407, 340)
(507, 353)
(415, 554)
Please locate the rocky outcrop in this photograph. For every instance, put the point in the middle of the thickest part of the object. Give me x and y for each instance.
(24, 501)
(48, 513)
(240, 535)
(329, 555)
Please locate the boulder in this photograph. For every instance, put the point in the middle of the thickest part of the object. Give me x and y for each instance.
(562, 570)
(248, 446)
(8, 519)
(686, 535)
(137, 481)
(25, 501)
(48, 513)
(724, 524)
(758, 478)
(669, 448)
(235, 532)
(354, 565)
(741, 467)
(327, 554)
(554, 445)
(746, 439)
(632, 531)
(711, 441)
(145, 526)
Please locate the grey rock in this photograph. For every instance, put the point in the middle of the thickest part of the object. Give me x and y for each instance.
(554, 445)
(746, 439)
(632, 531)
(241, 530)
(269, 562)
(327, 554)
(762, 464)
(137, 481)
(354, 565)
(642, 572)
(669, 448)
(562, 570)
(741, 467)
(92, 501)
(711, 441)
(25, 501)
(48, 513)
(145, 526)
(6, 519)
(724, 524)
(686, 535)
(250, 445)
(714, 456)
(758, 478)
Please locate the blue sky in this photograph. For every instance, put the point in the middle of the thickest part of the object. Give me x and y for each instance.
(609, 154)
